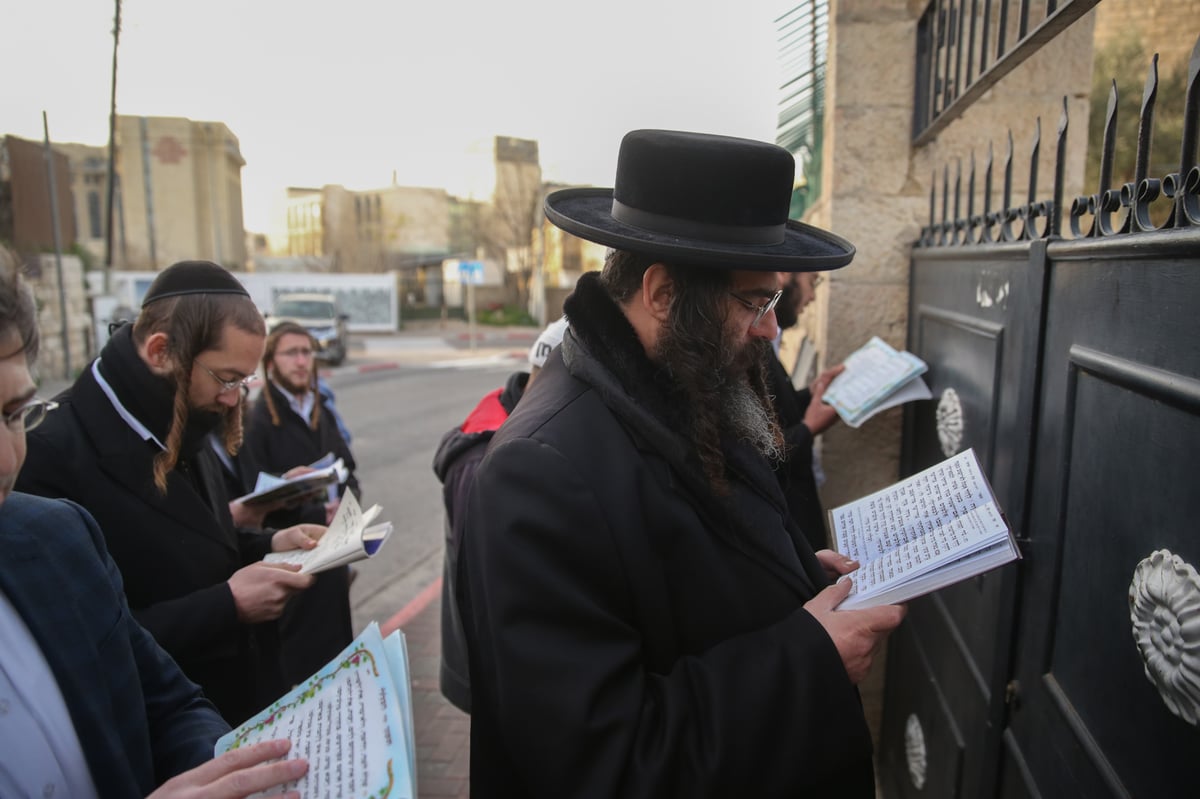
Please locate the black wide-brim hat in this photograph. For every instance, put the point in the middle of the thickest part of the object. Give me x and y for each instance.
(704, 200)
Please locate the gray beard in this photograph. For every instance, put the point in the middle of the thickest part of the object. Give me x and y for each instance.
(749, 420)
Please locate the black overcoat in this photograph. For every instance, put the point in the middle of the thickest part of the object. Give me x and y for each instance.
(795, 474)
(316, 624)
(175, 551)
(277, 448)
(631, 634)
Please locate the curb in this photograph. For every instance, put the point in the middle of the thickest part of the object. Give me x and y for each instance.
(413, 608)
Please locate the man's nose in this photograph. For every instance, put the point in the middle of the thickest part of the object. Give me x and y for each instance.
(230, 399)
(767, 327)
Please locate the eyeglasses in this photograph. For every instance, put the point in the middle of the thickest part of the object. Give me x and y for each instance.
(29, 415)
(228, 385)
(759, 310)
(818, 280)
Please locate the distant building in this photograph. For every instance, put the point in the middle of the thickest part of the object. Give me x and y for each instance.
(181, 192)
(395, 227)
(26, 221)
(89, 185)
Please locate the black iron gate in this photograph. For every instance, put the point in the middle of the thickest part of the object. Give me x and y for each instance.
(1072, 365)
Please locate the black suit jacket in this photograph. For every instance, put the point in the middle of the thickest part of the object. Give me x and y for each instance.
(175, 551)
(139, 720)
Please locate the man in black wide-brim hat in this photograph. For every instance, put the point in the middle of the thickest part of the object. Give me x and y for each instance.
(644, 617)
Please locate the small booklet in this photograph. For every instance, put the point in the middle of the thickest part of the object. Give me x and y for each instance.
(877, 377)
(352, 721)
(926, 532)
(269, 489)
(350, 537)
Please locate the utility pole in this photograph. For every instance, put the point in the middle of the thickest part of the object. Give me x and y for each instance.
(112, 154)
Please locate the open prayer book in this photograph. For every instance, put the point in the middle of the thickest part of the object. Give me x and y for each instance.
(926, 532)
(352, 721)
(877, 377)
(350, 537)
(269, 489)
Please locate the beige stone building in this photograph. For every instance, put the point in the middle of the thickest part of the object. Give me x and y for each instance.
(369, 231)
(180, 193)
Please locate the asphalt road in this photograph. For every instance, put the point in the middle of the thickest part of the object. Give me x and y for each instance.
(397, 417)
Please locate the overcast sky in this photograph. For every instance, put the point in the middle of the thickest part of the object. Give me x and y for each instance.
(348, 92)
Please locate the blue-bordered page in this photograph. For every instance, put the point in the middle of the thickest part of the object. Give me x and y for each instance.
(352, 722)
(873, 373)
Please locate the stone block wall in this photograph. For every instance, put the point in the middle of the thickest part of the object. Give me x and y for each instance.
(53, 362)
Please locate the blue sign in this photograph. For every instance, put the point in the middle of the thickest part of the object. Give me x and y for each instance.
(470, 273)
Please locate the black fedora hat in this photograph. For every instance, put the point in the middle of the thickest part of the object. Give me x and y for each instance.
(696, 198)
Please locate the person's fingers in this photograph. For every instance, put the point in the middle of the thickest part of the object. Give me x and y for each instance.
(248, 781)
(885, 617)
(829, 598)
(243, 757)
(836, 561)
(287, 567)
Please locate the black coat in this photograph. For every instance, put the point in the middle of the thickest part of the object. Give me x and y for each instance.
(457, 457)
(277, 448)
(175, 551)
(316, 625)
(795, 474)
(630, 633)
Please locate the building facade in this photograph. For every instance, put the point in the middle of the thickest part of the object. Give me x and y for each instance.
(180, 193)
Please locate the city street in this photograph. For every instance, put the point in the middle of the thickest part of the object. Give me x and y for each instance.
(397, 416)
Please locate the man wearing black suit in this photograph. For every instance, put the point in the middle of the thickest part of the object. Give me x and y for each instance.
(92, 705)
(129, 444)
(802, 415)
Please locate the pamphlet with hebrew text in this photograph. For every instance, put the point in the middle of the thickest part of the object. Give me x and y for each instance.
(926, 532)
(350, 537)
(352, 721)
(269, 489)
(877, 377)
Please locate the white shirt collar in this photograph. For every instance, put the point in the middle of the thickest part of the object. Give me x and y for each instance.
(121, 410)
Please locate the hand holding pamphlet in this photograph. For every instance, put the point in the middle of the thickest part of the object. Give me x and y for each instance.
(877, 377)
(926, 532)
(349, 538)
(272, 490)
(352, 721)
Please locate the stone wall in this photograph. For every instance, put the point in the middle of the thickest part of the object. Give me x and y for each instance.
(42, 274)
(877, 190)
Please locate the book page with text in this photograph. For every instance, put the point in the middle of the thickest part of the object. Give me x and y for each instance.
(888, 519)
(872, 372)
(348, 721)
(343, 538)
(964, 535)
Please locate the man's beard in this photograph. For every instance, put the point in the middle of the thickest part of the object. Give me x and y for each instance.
(722, 390)
(290, 387)
(787, 310)
(751, 419)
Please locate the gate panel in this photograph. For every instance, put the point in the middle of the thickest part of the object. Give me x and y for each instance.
(1115, 479)
(974, 319)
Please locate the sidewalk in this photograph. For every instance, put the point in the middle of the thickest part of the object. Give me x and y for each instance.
(441, 730)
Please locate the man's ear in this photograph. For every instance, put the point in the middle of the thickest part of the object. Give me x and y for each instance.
(657, 290)
(154, 353)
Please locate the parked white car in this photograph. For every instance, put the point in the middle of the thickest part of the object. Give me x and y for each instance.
(321, 316)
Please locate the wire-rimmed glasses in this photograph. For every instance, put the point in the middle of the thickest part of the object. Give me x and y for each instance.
(759, 310)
